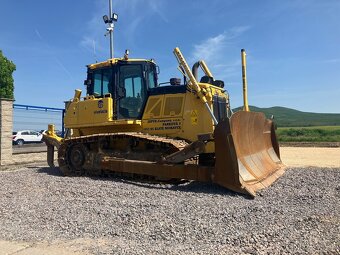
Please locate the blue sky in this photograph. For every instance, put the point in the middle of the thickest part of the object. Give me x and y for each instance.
(293, 46)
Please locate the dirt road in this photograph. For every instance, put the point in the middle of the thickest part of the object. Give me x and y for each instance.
(291, 156)
(29, 148)
(310, 156)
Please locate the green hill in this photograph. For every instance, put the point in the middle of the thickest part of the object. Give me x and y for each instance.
(286, 117)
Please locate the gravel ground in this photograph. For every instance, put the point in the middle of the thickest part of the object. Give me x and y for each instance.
(299, 214)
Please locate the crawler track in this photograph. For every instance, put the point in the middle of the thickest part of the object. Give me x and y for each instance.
(83, 155)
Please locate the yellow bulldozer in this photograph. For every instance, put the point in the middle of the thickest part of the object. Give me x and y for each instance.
(128, 124)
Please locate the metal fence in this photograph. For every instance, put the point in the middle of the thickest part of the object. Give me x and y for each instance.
(37, 118)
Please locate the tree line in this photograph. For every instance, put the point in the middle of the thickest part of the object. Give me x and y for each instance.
(7, 67)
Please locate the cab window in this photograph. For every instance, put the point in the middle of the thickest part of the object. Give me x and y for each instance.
(151, 79)
(102, 82)
(106, 79)
(97, 87)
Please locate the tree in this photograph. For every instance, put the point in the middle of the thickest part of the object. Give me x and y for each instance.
(7, 68)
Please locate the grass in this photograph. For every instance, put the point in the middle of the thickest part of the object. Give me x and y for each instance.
(309, 134)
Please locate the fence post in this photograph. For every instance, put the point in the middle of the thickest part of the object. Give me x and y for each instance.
(6, 129)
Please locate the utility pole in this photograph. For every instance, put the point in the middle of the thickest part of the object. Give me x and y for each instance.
(111, 31)
(110, 19)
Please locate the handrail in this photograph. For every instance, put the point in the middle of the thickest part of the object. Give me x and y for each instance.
(193, 82)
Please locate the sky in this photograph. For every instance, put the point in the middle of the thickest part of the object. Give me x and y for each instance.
(293, 46)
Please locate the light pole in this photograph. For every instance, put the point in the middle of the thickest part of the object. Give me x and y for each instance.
(113, 17)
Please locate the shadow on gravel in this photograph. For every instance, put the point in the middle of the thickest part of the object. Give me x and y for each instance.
(189, 186)
(49, 170)
(185, 186)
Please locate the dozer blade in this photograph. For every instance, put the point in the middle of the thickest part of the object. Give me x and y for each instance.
(247, 153)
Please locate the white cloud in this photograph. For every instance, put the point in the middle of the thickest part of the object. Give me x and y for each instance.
(95, 29)
(38, 34)
(87, 42)
(330, 61)
(211, 47)
(53, 53)
(157, 8)
(214, 49)
(92, 45)
(135, 11)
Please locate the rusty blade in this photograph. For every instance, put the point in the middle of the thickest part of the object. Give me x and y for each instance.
(247, 153)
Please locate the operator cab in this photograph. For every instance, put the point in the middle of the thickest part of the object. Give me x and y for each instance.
(127, 82)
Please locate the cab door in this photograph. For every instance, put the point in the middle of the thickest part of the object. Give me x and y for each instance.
(132, 91)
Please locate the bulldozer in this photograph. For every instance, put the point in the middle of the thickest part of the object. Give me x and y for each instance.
(128, 123)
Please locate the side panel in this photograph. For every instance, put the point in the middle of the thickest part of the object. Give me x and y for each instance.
(179, 115)
(197, 119)
(89, 112)
(163, 115)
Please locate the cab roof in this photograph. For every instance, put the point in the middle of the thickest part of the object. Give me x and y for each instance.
(113, 61)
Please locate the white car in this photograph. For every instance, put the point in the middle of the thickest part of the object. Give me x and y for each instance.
(26, 136)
